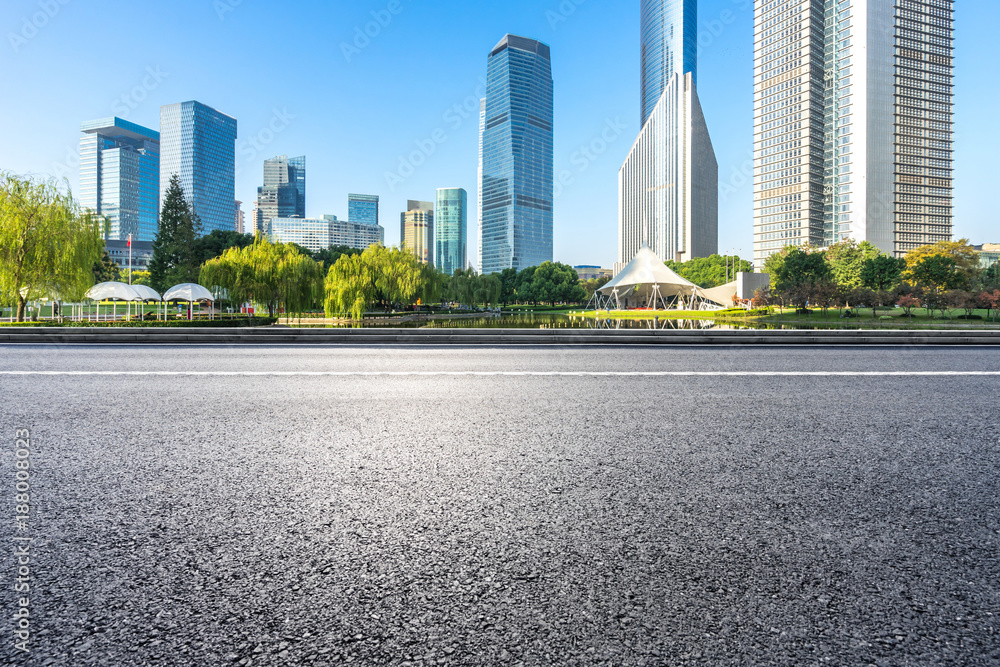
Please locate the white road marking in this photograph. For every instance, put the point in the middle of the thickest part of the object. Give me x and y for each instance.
(623, 374)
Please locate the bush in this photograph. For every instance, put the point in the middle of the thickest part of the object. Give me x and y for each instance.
(969, 317)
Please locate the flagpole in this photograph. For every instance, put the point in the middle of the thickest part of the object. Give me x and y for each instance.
(129, 259)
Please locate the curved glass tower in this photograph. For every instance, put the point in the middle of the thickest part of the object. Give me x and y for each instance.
(517, 165)
(669, 45)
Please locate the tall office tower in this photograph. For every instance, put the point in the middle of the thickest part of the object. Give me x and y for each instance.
(450, 224)
(479, 178)
(363, 209)
(516, 184)
(853, 105)
(283, 194)
(120, 177)
(198, 144)
(416, 230)
(668, 186)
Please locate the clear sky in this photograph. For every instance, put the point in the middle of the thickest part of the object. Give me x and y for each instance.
(366, 111)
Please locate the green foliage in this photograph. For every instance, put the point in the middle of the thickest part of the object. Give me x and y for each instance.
(106, 270)
(468, 288)
(940, 272)
(379, 275)
(508, 286)
(174, 260)
(709, 272)
(47, 247)
(882, 273)
(274, 275)
(217, 242)
(847, 260)
(553, 282)
(591, 286)
(141, 278)
(799, 274)
(329, 256)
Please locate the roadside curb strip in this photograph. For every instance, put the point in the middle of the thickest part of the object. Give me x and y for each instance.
(491, 337)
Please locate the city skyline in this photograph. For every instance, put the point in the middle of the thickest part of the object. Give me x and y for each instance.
(585, 206)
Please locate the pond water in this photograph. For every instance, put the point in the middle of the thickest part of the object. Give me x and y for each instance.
(546, 321)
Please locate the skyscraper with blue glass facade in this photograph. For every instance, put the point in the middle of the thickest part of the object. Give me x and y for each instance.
(363, 209)
(451, 217)
(120, 176)
(198, 144)
(669, 45)
(516, 184)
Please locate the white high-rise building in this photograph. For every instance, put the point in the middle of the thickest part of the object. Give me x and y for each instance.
(852, 123)
(668, 186)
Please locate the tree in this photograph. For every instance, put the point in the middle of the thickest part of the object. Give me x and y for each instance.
(329, 256)
(47, 247)
(939, 272)
(882, 273)
(174, 260)
(798, 274)
(908, 302)
(964, 268)
(508, 286)
(379, 275)
(847, 260)
(991, 302)
(591, 286)
(106, 270)
(710, 271)
(274, 275)
(553, 282)
(212, 245)
(141, 278)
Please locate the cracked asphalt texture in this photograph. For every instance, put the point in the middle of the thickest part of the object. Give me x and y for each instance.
(506, 520)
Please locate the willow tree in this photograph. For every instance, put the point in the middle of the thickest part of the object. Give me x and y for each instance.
(273, 275)
(48, 248)
(388, 277)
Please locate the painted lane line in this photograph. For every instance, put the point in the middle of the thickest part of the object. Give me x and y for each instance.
(649, 374)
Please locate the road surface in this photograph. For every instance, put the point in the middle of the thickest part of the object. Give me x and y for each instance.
(451, 506)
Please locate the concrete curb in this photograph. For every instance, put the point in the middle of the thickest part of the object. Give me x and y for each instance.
(489, 337)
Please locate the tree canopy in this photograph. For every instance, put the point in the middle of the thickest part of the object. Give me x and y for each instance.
(709, 272)
(174, 259)
(48, 248)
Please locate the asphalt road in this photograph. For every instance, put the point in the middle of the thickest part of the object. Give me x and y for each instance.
(398, 510)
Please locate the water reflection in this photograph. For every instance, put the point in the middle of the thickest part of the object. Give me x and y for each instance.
(550, 321)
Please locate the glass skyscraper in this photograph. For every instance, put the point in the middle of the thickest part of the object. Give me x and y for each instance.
(669, 45)
(198, 144)
(516, 185)
(283, 194)
(363, 209)
(450, 224)
(120, 176)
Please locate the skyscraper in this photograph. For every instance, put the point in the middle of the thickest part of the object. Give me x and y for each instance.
(668, 32)
(450, 224)
(479, 178)
(362, 209)
(853, 104)
(516, 184)
(668, 185)
(416, 229)
(198, 144)
(120, 177)
(283, 194)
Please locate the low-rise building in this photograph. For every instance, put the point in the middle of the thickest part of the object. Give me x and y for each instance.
(321, 233)
(989, 254)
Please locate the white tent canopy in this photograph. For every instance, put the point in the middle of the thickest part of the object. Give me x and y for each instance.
(113, 291)
(147, 293)
(188, 292)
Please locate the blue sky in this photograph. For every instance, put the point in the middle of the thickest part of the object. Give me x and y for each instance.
(358, 113)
